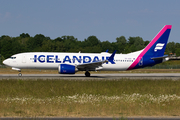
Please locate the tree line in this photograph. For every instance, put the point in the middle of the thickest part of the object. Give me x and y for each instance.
(40, 43)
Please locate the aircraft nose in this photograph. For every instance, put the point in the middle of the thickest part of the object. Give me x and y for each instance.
(5, 62)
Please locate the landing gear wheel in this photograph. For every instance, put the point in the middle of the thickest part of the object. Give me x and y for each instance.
(19, 74)
(87, 74)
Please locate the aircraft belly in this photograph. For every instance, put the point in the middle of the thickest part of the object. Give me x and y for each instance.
(116, 67)
(43, 66)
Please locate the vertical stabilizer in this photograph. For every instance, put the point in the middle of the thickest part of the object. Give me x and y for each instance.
(155, 48)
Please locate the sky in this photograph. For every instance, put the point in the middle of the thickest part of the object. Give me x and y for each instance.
(105, 19)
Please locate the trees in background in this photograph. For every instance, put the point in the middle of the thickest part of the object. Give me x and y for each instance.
(41, 43)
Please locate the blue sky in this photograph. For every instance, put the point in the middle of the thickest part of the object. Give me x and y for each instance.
(106, 19)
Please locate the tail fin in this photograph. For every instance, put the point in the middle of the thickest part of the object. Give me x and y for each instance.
(155, 48)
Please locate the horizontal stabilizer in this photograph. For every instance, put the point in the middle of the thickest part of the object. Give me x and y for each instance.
(157, 58)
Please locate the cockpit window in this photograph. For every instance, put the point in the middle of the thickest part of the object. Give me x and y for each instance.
(13, 57)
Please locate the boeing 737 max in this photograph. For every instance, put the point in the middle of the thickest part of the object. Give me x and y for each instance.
(70, 63)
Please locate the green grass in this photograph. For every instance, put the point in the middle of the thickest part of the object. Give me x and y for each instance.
(51, 88)
(171, 62)
(77, 98)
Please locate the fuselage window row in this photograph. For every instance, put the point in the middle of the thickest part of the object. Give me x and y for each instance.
(75, 59)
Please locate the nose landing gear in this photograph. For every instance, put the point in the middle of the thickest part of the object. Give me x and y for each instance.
(19, 74)
(19, 70)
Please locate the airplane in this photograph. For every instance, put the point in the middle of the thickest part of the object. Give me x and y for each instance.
(70, 63)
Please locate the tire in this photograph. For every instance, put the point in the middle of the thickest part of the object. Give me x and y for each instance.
(19, 74)
(87, 74)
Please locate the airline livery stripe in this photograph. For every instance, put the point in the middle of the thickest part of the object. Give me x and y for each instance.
(150, 45)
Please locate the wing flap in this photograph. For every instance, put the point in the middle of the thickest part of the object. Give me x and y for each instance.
(91, 65)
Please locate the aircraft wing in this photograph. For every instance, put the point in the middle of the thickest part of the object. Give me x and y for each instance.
(94, 65)
(91, 66)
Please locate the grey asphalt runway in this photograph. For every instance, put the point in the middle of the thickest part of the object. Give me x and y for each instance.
(151, 76)
(81, 118)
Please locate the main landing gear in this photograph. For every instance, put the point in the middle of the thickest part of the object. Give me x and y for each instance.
(87, 74)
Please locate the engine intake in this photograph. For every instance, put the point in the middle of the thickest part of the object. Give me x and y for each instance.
(66, 69)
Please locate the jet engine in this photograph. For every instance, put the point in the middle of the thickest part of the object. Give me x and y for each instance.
(67, 69)
(165, 59)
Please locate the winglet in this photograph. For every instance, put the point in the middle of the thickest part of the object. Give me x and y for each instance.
(111, 58)
(107, 50)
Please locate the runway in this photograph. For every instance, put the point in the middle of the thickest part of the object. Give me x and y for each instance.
(151, 76)
(96, 118)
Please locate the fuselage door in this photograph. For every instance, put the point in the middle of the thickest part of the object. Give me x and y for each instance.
(140, 61)
(23, 58)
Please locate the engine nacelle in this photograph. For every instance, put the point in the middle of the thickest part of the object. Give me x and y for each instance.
(165, 59)
(66, 69)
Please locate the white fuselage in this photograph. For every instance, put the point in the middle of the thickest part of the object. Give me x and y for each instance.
(51, 60)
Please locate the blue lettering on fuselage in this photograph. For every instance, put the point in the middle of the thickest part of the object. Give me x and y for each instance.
(86, 59)
(96, 59)
(78, 59)
(57, 60)
(35, 58)
(41, 58)
(107, 59)
(67, 59)
(49, 59)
